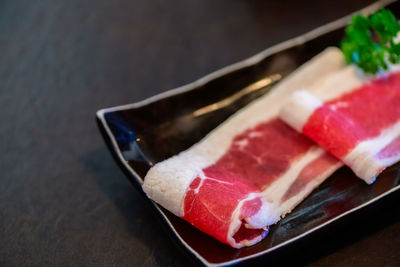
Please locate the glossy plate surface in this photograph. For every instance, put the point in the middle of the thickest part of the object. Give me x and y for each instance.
(152, 130)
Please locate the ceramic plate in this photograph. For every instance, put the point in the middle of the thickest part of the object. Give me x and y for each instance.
(141, 134)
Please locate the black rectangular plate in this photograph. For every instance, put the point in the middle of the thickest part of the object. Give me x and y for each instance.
(141, 134)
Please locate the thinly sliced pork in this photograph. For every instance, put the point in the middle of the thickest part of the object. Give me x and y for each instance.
(251, 170)
(353, 116)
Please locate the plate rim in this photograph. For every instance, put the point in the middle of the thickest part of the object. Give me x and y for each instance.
(301, 39)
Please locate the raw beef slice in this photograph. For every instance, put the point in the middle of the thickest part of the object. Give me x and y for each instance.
(251, 170)
(354, 117)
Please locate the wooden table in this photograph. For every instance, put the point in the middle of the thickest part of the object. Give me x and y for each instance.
(63, 200)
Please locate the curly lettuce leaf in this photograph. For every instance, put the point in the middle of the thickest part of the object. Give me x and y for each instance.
(368, 42)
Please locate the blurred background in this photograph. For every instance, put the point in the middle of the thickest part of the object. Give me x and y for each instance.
(63, 200)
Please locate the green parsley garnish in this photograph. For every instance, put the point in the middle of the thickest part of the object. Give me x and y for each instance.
(369, 41)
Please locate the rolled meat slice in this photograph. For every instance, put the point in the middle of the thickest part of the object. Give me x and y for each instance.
(251, 170)
(353, 116)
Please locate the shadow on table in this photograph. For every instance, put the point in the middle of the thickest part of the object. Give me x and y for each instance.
(140, 220)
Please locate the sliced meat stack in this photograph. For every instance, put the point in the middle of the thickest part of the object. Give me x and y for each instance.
(251, 170)
(354, 117)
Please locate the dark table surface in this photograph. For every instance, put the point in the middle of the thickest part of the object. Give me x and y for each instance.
(63, 200)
